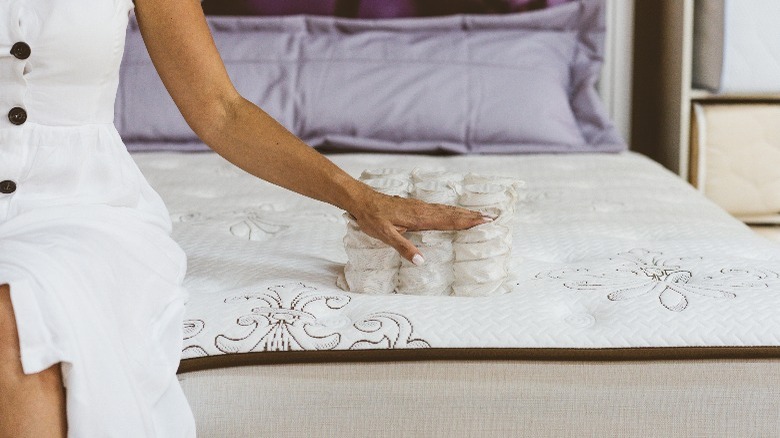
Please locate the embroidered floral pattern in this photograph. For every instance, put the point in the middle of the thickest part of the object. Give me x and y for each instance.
(250, 224)
(283, 321)
(297, 317)
(192, 328)
(386, 330)
(642, 272)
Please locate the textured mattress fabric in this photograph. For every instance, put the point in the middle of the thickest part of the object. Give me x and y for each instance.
(611, 253)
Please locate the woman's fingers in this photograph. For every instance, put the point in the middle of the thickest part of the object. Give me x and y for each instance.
(444, 217)
(404, 247)
(388, 218)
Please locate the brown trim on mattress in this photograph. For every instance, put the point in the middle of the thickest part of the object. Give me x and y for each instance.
(435, 354)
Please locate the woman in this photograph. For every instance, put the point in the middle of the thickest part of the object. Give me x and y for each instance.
(90, 281)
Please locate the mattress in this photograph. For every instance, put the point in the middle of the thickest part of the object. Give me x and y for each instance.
(737, 47)
(614, 258)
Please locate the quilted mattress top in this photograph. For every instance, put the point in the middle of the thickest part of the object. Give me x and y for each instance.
(611, 253)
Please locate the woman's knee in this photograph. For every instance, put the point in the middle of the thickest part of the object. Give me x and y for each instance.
(10, 356)
(9, 337)
(8, 334)
(31, 405)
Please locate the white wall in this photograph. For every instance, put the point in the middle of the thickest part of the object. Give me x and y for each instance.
(616, 74)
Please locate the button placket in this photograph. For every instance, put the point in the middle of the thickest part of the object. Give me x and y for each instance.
(21, 51)
(15, 98)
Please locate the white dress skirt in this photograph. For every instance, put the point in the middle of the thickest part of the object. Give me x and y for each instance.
(85, 246)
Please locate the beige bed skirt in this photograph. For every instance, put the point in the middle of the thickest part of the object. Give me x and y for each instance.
(490, 398)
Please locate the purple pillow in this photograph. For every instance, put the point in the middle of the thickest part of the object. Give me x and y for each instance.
(514, 83)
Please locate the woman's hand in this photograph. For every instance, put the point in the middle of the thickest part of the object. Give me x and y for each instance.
(387, 217)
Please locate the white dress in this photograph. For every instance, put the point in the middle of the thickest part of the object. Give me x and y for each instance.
(95, 278)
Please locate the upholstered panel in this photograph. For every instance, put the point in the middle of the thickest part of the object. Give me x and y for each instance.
(738, 146)
(487, 399)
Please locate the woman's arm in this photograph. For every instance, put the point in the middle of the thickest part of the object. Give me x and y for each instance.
(183, 52)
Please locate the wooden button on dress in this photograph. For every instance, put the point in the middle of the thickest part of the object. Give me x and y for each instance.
(17, 115)
(21, 50)
(7, 187)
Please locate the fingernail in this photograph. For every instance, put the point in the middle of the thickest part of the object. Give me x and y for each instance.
(487, 219)
(418, 260)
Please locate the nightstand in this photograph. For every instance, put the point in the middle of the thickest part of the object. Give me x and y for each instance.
(727, 145)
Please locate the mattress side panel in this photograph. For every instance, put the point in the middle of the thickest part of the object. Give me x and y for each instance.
(491, 399)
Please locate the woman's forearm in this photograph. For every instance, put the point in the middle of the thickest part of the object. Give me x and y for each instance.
(177, 37)
(252, 140)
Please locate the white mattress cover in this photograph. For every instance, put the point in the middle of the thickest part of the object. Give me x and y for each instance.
(611, 251)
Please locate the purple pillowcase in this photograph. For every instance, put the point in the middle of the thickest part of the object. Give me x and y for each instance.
(515, 83)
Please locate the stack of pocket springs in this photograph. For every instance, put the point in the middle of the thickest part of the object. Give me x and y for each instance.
(470, 263)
